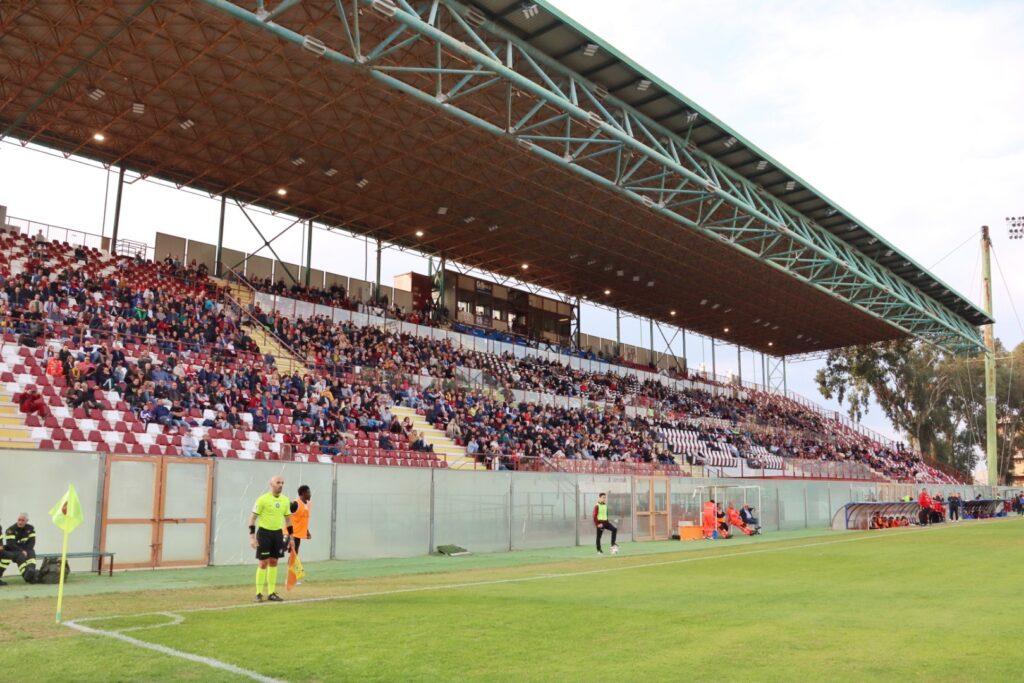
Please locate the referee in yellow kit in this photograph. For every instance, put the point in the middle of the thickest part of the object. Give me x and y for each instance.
(271, 514)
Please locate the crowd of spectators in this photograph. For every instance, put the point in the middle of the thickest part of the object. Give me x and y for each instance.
(177, 311)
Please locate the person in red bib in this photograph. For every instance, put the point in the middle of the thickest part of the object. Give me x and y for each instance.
(925, 501)
(300, 516)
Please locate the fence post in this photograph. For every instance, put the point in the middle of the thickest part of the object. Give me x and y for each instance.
(334, 511)
(430, 536)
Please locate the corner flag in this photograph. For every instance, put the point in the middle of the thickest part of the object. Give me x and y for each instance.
(295, 571)
(66, 515)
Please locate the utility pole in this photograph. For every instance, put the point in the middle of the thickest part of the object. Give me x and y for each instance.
(990, 363)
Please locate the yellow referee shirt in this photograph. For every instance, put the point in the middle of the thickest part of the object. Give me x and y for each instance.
(270, 511)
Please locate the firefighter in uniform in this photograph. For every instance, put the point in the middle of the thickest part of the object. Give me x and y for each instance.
(19, 544)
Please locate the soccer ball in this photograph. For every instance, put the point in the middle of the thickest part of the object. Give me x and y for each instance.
(615, 550)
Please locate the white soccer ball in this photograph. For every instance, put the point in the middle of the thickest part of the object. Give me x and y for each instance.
(615, 550)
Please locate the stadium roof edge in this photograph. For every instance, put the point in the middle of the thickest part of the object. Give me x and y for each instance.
(855, 232)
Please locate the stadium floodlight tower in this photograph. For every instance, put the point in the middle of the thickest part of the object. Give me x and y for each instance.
(991, 451)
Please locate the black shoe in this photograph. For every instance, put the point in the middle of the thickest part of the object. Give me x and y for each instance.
(259, 597)
(274, 597)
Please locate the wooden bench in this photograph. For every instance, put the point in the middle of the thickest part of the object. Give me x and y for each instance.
(98, 555)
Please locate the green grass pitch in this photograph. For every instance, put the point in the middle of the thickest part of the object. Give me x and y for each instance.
(909, 605)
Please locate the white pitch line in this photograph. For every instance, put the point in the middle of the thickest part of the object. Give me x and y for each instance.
(217, 664)
(171, 652)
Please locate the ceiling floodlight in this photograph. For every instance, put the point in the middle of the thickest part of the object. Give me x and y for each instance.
(643, 85)
(138, 108)
(95, 94)
(185, 124)
(362, 182)
(590, 49)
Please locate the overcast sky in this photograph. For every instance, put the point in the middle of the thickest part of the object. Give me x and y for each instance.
(907, 114)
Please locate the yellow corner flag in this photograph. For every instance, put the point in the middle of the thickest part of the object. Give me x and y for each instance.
(67, 515)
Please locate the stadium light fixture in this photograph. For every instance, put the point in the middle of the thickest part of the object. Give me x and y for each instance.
(95, 94)
(725, 329)
(138, 108)
(730, 142)
(761, 165)
(643, 85)
(298, 161)
(442, 210)
(790, 186)
(590, 49)
(468, 219)
(493, 228)
(607, 292)
(362, 182)
(530, 10)
(525, 266)
(672, 312)
(703, 302)
(281, 192)
(330, 171)
(99, 137)
(650, 283)
(1015, 226)
(185, 124)
(692, 116)
(771, 343)
(419, 233)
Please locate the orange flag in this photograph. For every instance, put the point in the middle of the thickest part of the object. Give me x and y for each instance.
(295, 571)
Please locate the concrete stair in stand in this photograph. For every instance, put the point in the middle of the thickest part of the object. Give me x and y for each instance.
(444, 448)
(13, 432)
(284, 359)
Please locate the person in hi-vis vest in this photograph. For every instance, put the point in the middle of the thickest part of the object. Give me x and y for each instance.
(602, 523)
(300, 516)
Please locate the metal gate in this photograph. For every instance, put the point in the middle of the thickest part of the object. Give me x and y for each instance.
(156, 511)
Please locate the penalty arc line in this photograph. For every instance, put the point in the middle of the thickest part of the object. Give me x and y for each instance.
(217, 664)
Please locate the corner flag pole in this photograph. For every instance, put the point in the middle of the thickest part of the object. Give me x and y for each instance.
(63, 562)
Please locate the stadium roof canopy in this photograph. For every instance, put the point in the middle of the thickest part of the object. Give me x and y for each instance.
(502, 130)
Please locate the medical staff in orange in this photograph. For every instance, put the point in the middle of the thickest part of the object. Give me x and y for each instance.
(925, 501)
(733, 516)
(709, 519)
(300, 517)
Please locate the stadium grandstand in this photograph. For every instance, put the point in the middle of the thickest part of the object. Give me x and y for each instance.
(166, 392)
(507, 141)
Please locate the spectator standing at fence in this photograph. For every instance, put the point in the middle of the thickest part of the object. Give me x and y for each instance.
(954, 507)
(925, 502)
(602, 523)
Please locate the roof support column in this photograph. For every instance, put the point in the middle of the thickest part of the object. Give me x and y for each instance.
(739, 365)
(218, 266)
(117, 210)
(714, 368)
(309, 252)
(579, 310)
(376, 282)
(991, 452)
(618, 334)
(654, 363)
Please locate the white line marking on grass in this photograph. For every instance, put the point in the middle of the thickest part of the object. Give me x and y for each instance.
(217, 664)
(170, 651)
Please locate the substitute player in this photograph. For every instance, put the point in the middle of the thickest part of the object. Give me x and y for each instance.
(271, 514)
(300, 516)
(602, 523)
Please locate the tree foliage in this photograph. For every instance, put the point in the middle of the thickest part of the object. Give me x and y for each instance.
(936, 400)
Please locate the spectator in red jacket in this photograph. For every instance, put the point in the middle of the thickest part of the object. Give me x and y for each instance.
(925, 501)
(31, 402)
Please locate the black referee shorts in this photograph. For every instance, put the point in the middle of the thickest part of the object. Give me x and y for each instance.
(269, 544)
